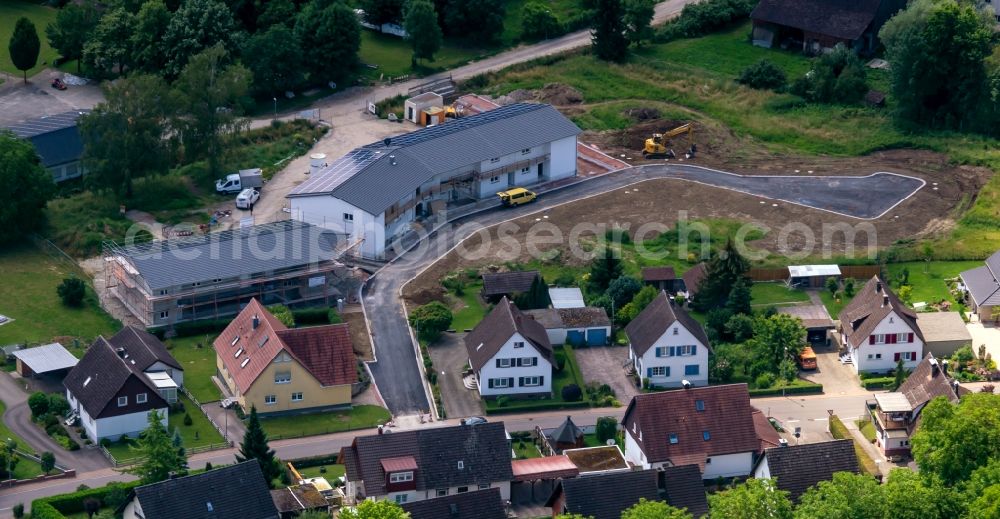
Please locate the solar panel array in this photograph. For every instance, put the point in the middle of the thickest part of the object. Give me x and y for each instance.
(46, 124)
(328, 178)
(459, 125)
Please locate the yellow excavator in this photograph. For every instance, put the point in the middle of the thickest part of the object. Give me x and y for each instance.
(656, 146)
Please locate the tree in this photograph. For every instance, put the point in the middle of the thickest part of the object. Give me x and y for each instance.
(71, 291)
(908, 495)
(125, 136)
(48, 462)
(849, 287)
(18, 511)
(431, 319)
(378, 12)
(208, 96)
(422, 29)
(937, 50)
(763, 75)
(832, 285)
(846, 496)
(178, 443)
(608, 31)
(724, 270)
(369, 509)
(637, 305)
(623, 289)
(109, 49)
(24, 46)
(900, 375)
(571, 393)
(653, 510)
(151, 25)
(274, 57)
(605, 268)
(277, 12)
(330, 37)
(475, 19)
(38, 403)
(738, 301)
(638, 17)
(91, 506)
(73, 26)
(22, 173)
(754, 499)
(606, 429)
(739, 327)
(255, 447)
(198, 25)
(157, 451)
(536, 297)
(836, 77)
(777, 338)
(58, 405)
(283, 314)
(954, 440)
(905, 293)
(538, 22)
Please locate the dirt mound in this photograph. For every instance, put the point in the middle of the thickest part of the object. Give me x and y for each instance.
(516, 96)
(642, 114)
(559, 94)
(634, 137)
(422, 297)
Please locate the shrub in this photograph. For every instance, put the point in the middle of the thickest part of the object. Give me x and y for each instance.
(58, 404)
(431, 319)
(187, 420)
(38, 402)
(91, 506)
(71, 291)
(572, 393)
(538, 22)
(606, 429)
(333, 317)
(764, 381)
(105, 442)
(18, 511)
(564, 280)
(283, 314)
(700, 18)
(837, 77)
(312, 316)
(48, 462)
(763, 75)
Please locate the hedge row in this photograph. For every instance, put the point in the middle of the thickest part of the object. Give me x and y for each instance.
(55, 507)
(528, 406)
(703, 17)
(878, 383)
(315, 461)
(794, 390)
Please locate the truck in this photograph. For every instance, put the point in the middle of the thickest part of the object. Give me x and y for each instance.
(807, 359)
(237, 182)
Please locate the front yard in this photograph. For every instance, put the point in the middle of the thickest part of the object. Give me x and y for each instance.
(570, 374)
(201, 432)
(294, 426)
(196, 355)
(776, 294)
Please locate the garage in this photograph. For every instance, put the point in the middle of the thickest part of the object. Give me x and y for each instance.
(575, 337)
(50, 359)
(597, 337)
(587, 326)
(815, 319)
(944, 332)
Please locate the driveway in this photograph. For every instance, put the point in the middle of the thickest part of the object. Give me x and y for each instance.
(450, 357)
(18, 419)
(603, 365)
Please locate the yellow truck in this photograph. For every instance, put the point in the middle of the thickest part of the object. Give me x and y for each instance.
(516, 196)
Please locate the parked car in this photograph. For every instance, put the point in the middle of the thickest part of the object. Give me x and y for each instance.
(58, 84)
(247, 198)
(516, 196)
(474, 420)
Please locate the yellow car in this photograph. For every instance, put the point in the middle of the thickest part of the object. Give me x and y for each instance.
(516, 196)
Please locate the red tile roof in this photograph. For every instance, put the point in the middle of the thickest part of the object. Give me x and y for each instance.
(326, 351)
(727, 417)
(399, 464)
(768, 436)
(549, 467)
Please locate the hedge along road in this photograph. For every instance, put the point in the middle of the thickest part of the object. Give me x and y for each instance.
(396, 370)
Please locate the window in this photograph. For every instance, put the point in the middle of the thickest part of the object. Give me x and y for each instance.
(531, 381)
(877, 356)
(494, 160)
(441, 492)
(283, 377)
(401, 477)
(904, 443)
(164, 314)
(503, 363)
(527, 361)
(238, 353)
(659, 371)
(348, 217)
(500, 382)
(461, 464)
(297, 397)
(235, 340)
(879, 338)
(686, 351)
(263, 340)
(708, 460)
(140, 398)
(676, 331)
(525, 171)
(673, 438)
(494, 180)
(705, 435)
(525, 151)
(519, 344)
(122, 401)
(245, 362)
(870, 356)
(699, 405)
(163, 292)
(463, 489)
(484, 486)
(400, 499)
(664, 351)
(902, 337)
(270, 399)
(909, 355)
(691, 369)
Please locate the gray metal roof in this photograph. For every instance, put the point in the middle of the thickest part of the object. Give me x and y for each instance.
(46, 124)
(982, 286)
(377, 175)
(43, 359)
(231, 254)
(55, 137)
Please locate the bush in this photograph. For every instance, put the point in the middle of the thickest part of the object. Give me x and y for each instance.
(703, 17)
(837, 77)
(208, 466)
(187, 420)
(801, 389)
(201, 327)
(283, 314)
(606, 429)
(878, 382)
(18, 511)
(333, 317)
(57, 507)
(71, 291)
(763, 75)
(764, 381)
(572, 393)
(431, 319)
(38, 402)
(58, 404)
(105, 442)
(314, 316)
(564, 280)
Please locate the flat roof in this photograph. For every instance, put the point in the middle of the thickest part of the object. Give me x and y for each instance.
(942, 326)
(803, 271)
(893, 403)
(597, 459)
(566, 297)
(548, 467)
(813, 316)
(43, 359)
(161, 380)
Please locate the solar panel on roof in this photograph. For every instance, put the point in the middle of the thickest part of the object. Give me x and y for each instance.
(46, 124)
(328, 178)
(458, 125)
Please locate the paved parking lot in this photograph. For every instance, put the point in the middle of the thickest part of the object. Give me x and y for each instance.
(603, 365)
(449, 357)
(19, 101)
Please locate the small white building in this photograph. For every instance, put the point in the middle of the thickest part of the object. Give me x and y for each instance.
(877, 331)
(119, 381)
(510, 354)
(375, 193)
(667, 346)
(416, 105)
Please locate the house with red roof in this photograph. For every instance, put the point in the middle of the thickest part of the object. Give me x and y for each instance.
(264, 363)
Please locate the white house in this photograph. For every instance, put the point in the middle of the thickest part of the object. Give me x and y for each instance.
(376, 192)
(667, 346)
(510, 353)
(711, 427)
(119, 381)
(877, 330)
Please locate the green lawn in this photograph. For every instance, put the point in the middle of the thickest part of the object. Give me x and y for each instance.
(768, 294)
(570, 374)
(293, 426)
(198, 363)
(199, 434)
(867, 429)
(526, 449)
(392, 55)
(333, 472)
(472, 311)
(28, 295)
(41, 16)
(928, 279)
(834, 306)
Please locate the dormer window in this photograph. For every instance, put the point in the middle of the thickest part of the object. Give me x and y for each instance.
(673, 438)
(401, 477)
(705, 435)
(235, 340)
(461, 465)
(699, 405)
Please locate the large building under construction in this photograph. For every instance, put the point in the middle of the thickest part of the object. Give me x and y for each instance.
(215, 275)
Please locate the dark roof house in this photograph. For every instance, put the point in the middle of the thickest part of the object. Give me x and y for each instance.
(982, 282)
(685, 489)
(693, 277)
(795, 468)
(926, 382)
(490, 335)
(654, 320)
(294, 500)
(818, 24)
(499, 284)
(604, 496)
(234, 492)
(56, 138)
(873, 303)
(481, 504)
(440, 457)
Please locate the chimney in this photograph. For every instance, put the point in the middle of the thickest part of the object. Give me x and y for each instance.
(172, 475)
(878, 286)
(256, 321)
(782, 442)
(120, 352)
(885, 301)
(380, 429)
(944, 367)
(686, 384)
(934, 367)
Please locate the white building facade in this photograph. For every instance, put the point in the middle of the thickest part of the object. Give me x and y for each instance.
(892, 340)
(517, 369)
(675, 357)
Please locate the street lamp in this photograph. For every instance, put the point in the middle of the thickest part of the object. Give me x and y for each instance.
(275, 107)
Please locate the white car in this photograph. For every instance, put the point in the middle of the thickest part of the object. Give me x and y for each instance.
(247, 198)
